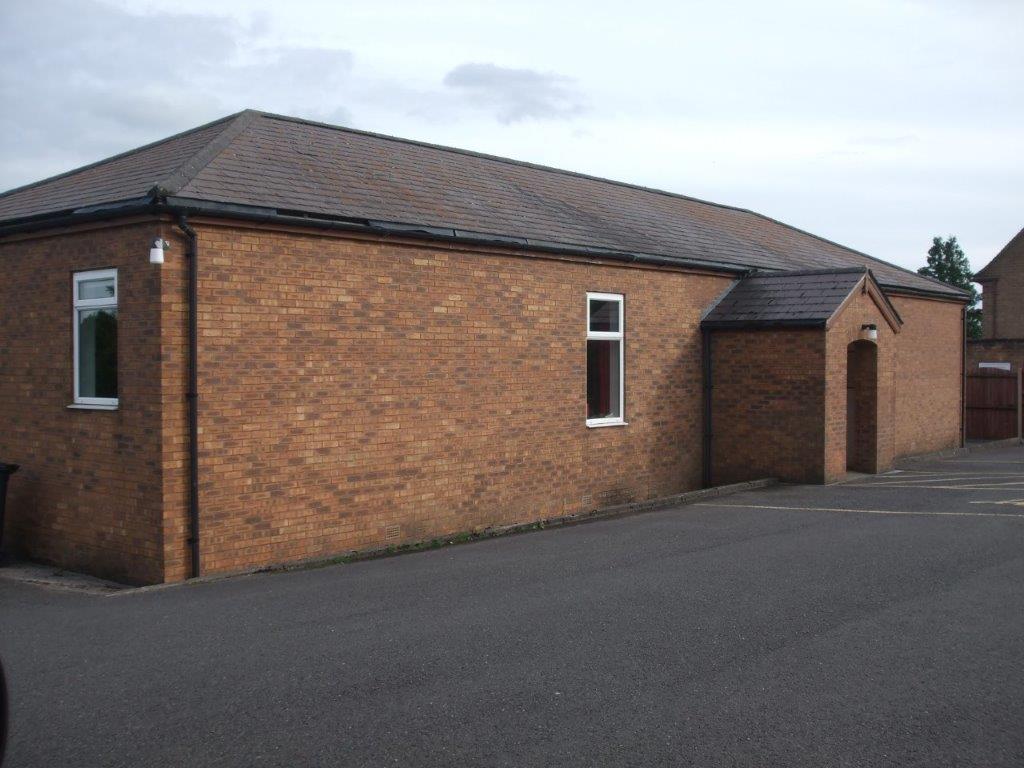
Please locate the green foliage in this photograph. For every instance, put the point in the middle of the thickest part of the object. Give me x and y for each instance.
(947, 262)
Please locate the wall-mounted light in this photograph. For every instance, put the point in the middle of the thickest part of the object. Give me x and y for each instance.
(869, 332)
(156, 251)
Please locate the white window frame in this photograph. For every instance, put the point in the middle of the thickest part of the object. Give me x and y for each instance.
(619, 336)
(77, 305)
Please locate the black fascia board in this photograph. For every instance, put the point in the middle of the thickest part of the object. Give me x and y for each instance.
(722, 325)
(156, 204)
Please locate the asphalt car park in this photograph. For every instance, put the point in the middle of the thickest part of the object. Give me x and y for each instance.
(874, 622)
(982, 484)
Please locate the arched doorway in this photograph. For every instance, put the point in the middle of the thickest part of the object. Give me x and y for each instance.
(862, 407)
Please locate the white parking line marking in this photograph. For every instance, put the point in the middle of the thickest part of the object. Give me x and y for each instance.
(971, 487)
(944, 478)
(863, 511)
(988, 461)
(975, 483)
(1014, 502)
(951, 472)
(947, 487)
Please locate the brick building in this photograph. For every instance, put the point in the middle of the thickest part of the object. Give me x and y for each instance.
(352, 340)
(1002, 314)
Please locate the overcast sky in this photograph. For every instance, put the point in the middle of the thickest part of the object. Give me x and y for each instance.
(877, 123)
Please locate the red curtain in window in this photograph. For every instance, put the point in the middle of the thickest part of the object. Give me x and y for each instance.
(599, 368)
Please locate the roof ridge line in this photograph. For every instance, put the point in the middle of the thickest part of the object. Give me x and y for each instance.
(118, 156)
(188, 170)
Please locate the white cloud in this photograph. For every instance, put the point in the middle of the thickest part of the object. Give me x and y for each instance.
(517, 93)
(875, 123)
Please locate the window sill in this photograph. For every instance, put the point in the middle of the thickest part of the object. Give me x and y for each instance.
(88, 407)
(601, 423)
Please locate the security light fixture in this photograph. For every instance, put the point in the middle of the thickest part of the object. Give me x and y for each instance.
(869, 332)
(156, 251)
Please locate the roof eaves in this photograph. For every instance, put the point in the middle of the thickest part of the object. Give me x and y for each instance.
(950, 294)
(802, 322)
(467, 237)
(111, 209)
(72, 217)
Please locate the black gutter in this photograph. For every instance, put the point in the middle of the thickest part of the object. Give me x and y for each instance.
(708, 385)
(176, 206)
(160, 202)
(192, 394)
(954, 294)
(963, 378)
(80, 216)
(442, 234)
(727, 325)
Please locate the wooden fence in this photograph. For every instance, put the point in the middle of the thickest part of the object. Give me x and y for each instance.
(993, 405)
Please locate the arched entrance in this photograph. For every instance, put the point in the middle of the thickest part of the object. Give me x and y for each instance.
(862, 407)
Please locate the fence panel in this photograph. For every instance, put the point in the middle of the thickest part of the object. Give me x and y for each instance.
(992, 398)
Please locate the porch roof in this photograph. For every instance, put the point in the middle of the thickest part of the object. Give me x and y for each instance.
(798, 299)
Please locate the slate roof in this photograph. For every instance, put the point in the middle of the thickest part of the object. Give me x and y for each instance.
(807, 298)
(286, 165)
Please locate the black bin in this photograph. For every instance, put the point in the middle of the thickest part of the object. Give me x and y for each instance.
(6, 470)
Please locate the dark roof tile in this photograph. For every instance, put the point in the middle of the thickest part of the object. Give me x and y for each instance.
(783, 298)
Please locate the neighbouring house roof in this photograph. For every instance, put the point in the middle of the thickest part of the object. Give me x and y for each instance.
(1016, 245)
(286, 166)
(797, 299)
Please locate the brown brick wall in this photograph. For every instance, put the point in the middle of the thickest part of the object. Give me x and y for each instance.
(767, 405)
(174, 417)
(928, 375)
(990, 309)
(1002, 315)
(844, 331)
(356, 393)
(775, 412)
(361, 392)
(88, 495)
(995, 351)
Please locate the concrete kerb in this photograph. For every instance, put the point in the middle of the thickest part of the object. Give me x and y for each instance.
(605, 513)
(50, 576)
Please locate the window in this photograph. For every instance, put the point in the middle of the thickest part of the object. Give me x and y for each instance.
(604, 359)
(996, 366)
(95, 337)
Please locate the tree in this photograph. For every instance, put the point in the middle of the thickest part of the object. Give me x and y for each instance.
(947, 262)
